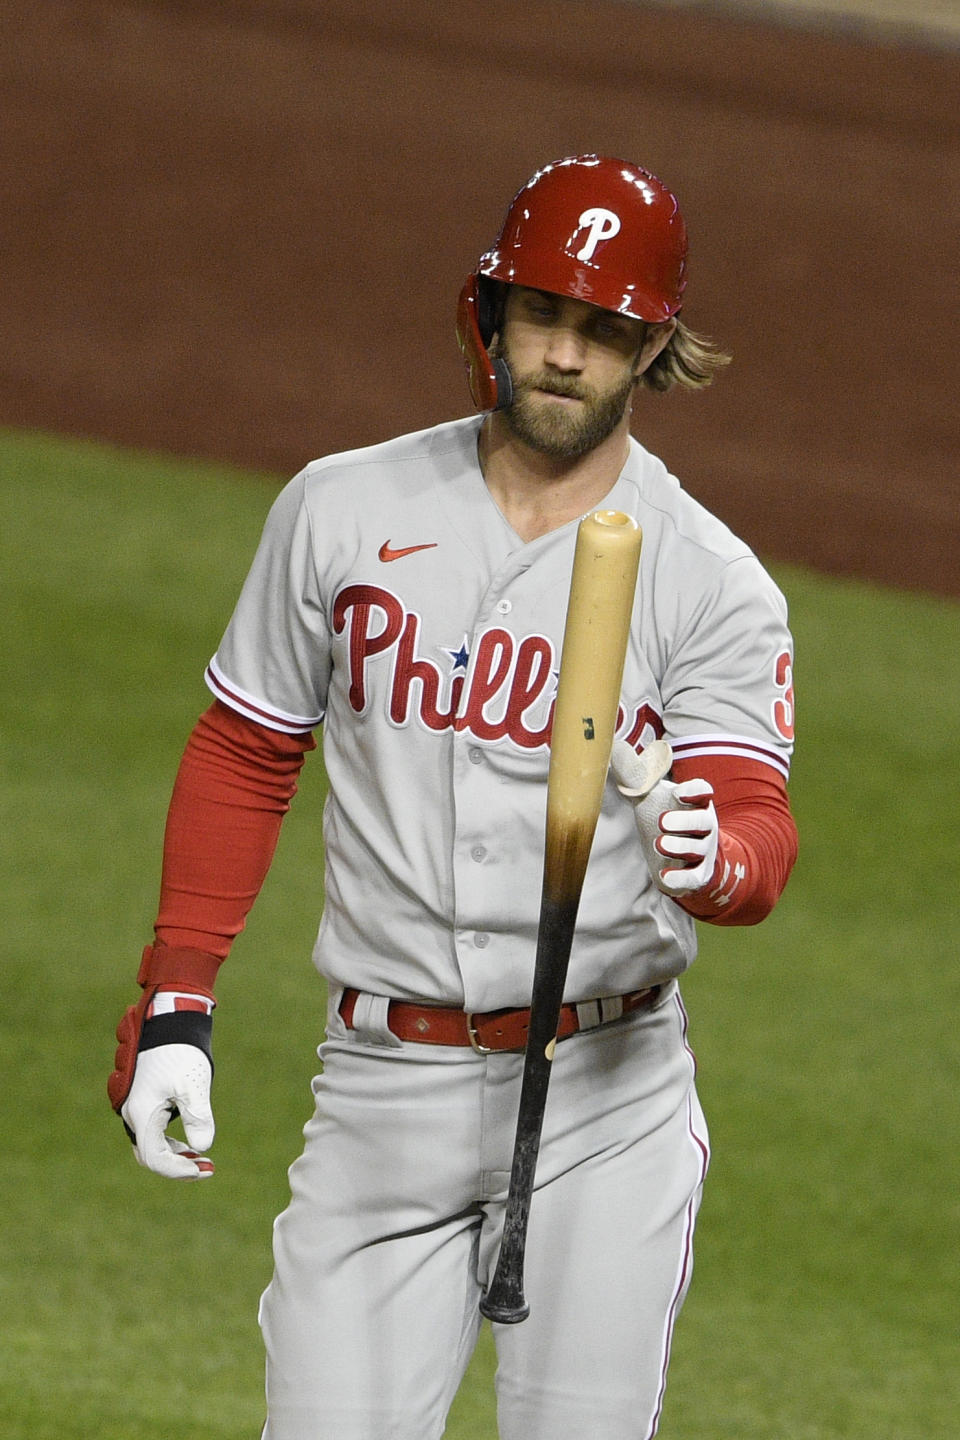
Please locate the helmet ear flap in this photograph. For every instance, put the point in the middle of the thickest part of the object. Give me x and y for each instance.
(489, 376)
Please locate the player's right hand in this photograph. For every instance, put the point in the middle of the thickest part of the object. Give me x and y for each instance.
(170, 1080)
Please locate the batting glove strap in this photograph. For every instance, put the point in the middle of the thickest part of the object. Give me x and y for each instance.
(182, 1027)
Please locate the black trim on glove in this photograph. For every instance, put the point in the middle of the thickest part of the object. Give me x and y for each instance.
(182, 1027)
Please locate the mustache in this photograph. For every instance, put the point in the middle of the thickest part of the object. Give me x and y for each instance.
(567, 387)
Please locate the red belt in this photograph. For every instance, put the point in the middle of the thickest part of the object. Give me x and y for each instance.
(493, 1029)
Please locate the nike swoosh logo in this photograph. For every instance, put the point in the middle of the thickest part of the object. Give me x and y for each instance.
(387, 552)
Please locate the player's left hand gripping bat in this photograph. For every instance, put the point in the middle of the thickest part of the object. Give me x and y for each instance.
(602, 592)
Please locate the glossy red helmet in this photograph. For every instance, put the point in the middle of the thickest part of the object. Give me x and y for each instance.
(589, 227)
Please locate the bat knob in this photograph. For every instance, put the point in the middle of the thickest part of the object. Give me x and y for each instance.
(503, 1312)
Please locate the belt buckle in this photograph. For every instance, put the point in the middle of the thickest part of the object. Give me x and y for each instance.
(475, 1044)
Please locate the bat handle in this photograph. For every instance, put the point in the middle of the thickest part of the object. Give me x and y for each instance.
(504, 1300)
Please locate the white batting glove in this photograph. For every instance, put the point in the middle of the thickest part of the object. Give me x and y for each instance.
(678, 825)
(168, 1079)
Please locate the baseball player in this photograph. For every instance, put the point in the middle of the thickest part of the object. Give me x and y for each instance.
(410, 598)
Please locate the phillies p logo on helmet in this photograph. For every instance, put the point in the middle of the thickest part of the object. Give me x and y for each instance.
(603, 225)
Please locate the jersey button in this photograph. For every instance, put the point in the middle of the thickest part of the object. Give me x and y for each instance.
(476, 756)
(478, 853)
(504, 607)
(481, 939)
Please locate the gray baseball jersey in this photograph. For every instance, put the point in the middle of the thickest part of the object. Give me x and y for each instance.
(390, 599)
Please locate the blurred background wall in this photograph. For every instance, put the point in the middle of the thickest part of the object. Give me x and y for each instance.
(238, 228)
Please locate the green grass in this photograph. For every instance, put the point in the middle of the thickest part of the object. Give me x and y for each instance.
(824, 1300)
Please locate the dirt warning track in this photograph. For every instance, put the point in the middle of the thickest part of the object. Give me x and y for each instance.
(239, 230)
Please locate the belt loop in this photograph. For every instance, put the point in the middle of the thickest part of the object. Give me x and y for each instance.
(611, 1008)
(588, 1014)
(336, 1029)
(370, 1021)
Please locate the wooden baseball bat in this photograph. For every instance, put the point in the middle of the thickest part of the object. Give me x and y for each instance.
(602, 590)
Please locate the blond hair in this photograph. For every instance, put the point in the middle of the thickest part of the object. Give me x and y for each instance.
(687, 359)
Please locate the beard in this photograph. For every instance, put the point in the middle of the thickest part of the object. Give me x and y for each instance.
(564, 432)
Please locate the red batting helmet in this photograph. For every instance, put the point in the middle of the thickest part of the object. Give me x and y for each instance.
(589, 227)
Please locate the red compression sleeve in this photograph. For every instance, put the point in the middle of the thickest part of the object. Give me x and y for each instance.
(758, 839)
(233, 788)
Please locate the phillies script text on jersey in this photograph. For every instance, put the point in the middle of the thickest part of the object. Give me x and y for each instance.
(500, 682)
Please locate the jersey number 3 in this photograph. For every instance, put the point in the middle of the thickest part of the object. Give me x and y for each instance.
(783, 705)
